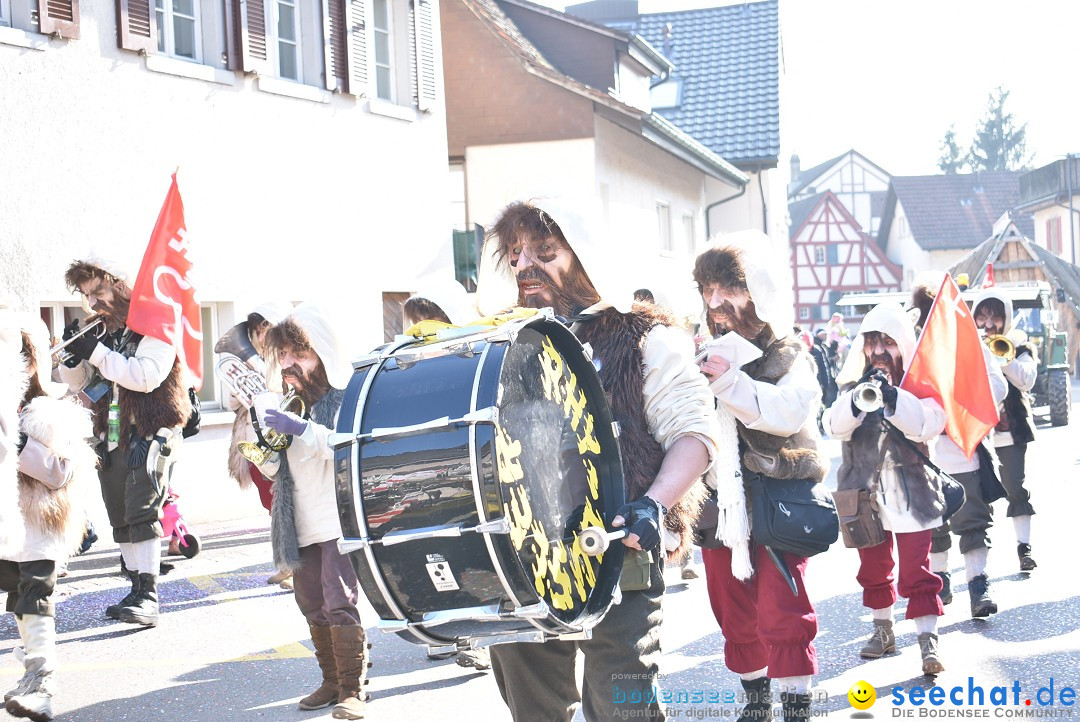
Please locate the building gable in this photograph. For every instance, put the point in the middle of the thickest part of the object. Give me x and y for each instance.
(831, 255)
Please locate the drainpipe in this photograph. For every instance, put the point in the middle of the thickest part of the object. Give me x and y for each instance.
(708, 225)
(764, 207)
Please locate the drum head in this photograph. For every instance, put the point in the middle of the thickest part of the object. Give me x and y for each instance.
(559, 470)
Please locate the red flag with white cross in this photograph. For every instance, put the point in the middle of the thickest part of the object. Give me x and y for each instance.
(163, 301)
(948, 366)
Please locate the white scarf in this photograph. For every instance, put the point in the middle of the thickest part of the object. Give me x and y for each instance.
(732, 522)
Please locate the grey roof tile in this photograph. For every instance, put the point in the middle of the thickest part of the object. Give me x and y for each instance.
(728, 58)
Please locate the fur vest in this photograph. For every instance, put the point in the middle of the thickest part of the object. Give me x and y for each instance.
(166, 406)
(63, 426)
(12, 389)
(617, 341)
(861, 455)
(1017, 417)
(781, 457)
(283, 537)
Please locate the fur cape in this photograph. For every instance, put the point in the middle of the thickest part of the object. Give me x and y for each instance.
(1017, 406)
(166, 406)
(782, 457)
(283, 538)
(242, 430)
(64, 427)
(617, 339)
(859, 466)
(13, 371)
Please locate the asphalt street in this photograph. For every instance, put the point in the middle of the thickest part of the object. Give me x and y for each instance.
(231, 647)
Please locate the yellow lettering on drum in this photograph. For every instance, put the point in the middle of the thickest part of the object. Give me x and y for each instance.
(562, 596)
(588, 442)
(574, 406)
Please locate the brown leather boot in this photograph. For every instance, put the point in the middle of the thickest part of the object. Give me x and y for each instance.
(350, 653)
(327, 693)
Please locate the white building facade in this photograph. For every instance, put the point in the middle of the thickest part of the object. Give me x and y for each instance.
(310, 139)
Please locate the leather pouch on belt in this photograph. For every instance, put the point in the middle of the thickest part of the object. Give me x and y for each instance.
(636, 571)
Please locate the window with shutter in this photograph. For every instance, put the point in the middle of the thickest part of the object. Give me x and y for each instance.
(253, 44)
(59, 17)
(423, 32)
(356, 46)
(138, 29)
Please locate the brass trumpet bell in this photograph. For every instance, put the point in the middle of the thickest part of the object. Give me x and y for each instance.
(1001, 346)
(867, 397)
(269, 440)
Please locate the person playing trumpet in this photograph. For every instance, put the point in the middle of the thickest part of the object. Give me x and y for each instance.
(253, 330)
(992, 312)
(138, 424)
(876, 458)
(304, 523)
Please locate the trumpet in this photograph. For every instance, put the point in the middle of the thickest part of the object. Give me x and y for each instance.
(96, 326)
(1001, 346)
(269, 440)
(867, 397)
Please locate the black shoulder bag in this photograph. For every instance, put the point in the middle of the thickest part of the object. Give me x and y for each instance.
(796, 516)
(951, 489)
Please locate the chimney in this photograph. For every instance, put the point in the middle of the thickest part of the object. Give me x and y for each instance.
(795, 170)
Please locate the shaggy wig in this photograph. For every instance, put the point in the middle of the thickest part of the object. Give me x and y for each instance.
(81, 272)
(723, 266)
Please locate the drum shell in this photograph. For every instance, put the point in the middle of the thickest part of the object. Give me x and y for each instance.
(443, 478)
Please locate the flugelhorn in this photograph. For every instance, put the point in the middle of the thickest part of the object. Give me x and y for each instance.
(269, 440)
(867, 397)
(1001, 346)
(96, 326)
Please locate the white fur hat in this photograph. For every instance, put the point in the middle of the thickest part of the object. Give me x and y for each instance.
(768, 278)
(887, 318)
(316, 324)
(110, 266)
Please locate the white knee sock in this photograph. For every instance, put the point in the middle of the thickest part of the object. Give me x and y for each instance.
(939, 561)
(129, 556)
(1022, 525)
(798, 685)
(754, 675)
(975, 562)
(926, 624)
(148, 556)
(884, 613)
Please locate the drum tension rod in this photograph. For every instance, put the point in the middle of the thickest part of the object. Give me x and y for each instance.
(489, 613)
(489, 415)
(496, 526)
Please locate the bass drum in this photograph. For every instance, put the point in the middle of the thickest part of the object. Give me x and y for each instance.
(466, 467)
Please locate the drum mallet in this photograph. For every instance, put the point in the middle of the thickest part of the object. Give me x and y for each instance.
(595, 540)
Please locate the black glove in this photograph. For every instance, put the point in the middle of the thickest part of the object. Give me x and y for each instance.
(642, 517)
(888, 391)
(81, 348)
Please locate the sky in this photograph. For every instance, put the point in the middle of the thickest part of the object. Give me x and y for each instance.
(889, 78)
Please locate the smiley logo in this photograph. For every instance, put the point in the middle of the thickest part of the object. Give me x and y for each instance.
(862, 695)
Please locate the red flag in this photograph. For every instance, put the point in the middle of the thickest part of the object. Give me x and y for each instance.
(948, 366)
(163, 302)
(988, 281)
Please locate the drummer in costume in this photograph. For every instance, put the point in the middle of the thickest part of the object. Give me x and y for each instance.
(909, 501)
(767, 412)
(993, 314)
(667, 427)
(148, 392)
(973, 520)
(304, 522)
(255, 328)
(55, 470)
